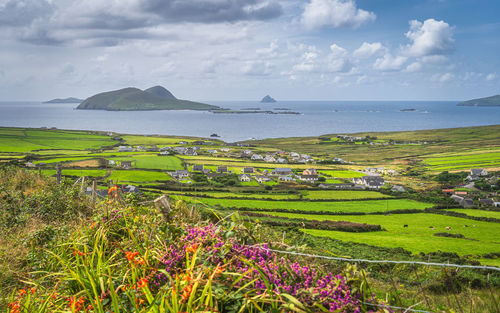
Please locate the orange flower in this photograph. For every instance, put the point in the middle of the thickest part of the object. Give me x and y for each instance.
(186, 292)
(22, 292)
(217, 271)
(15, 307)
(131, 255)
(192, 248)
(76, 304)
(112, 189)
(142, 283)
(78, 252)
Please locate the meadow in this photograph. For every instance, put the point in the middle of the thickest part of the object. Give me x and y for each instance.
(366, 206)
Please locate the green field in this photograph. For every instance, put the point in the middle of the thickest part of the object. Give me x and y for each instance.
(165, 163)
(367, 206)
(343, 194)
(464, 161)
(78, 173)
(27, 140)
(138, 176)
(418, 236)
(478, 213)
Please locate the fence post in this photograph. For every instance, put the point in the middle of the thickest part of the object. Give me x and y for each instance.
(59, 173)
(93, 194)
(163, 205)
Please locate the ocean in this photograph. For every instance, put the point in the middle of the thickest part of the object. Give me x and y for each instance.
(315, 118)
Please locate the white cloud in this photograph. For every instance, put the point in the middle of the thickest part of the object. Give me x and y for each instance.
(270, 51)
(367, 50)
(257, 68)
(414, 67)
(434, 59)
(389, 63)
(429, 38)
(442, 78)
(337, 59)
(491, 76)
(335, 13)
(308, 61)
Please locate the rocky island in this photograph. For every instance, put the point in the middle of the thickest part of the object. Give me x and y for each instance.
(134, 99)
(66, 100)
(493, 101)
(268, 99)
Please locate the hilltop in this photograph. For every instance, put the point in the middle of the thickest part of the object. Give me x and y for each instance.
(135, 99)
(66, 100)
(268, 99)
(492, 101)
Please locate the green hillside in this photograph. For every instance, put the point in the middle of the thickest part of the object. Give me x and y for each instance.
(492, 101)
(134, 99)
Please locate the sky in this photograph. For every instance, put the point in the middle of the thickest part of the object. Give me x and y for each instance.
(245, 49)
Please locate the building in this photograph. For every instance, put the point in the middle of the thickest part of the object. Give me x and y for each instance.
(309, 178)
(262, 179)
(457, 199)
(478, 172)
(487, 202)
(225, 149)
(191, 151)
(374, 182)
(180, 174)
(310, 171)
(213, 151)
(244, 178)
(282, 171)
(248, 170)
(222, 169)
(286, 178)
(198, 168)
(269, 159)
(257, 157)
(281, 161)
(125, 149)
(164, 153)
(467, 203)
(126, 164)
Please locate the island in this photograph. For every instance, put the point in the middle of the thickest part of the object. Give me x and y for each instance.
(66, 100)
(408, 110)
(493, 101)
(135, 99)
(268, 99)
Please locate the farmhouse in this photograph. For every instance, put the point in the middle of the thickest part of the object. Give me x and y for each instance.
(281, 161)
(262, 179)
(310, 171)
(286, 178)
(164, 153)
(180, 150)
(370, 181)
(198, 168)
(456, 198)
(294, 155)
(131, 189)
(309, 178)
(256, 157)
(269, 159)
(248, 170)
(126, 164)
(199, 142)
(225, 149)
(30, 164)
(244, 178)
(125, 149)
(397, 188)
(467, 203)
(213, 151)
(191, 151)
(487, 202)
(222, 169)
(180, 174)
(478, 172)
(282, 171)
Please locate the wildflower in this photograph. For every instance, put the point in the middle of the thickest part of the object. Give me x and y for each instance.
(15, 307)
(192, 248)
(131, 255)
(76, 304)
(22, 292)
(77, 252)
(186, 292)
(112, 189)
(142, 283)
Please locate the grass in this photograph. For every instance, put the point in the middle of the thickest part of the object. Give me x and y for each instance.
(28, 140)
(343, 194)
(367, 206)
(418, 236)
(478, 213)
(166, 163)
(79, 173)
(138, 176)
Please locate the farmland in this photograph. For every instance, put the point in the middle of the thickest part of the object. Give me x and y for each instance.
(96, 155)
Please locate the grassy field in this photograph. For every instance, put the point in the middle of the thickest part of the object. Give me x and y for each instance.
(152, 161)
(478, 213)
(27, 140)
(482, 237)
(464, 161)
(78, 173)
(338, 206)
(138, 176)
(343, 194)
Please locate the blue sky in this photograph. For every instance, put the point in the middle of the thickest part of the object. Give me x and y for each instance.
(244, 49)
